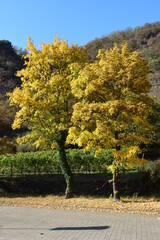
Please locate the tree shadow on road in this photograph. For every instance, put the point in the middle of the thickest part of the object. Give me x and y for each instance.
(80, 228)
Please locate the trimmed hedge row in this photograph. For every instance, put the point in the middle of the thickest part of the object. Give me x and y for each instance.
(46, 162)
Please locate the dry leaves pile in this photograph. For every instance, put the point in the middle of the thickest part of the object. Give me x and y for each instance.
(148, 206)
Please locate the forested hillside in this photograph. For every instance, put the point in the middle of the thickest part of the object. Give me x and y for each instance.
(10, 61)
(146, 39)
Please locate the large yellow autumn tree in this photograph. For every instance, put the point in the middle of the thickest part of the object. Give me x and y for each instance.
(113, 107)
(45, 100)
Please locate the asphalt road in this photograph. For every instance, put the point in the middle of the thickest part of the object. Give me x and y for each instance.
(21, 223)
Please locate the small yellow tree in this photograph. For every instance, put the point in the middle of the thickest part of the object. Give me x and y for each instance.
(113, 107)
(45, 99)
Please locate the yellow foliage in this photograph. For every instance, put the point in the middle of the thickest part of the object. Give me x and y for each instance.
(113, 104)
(45, 99)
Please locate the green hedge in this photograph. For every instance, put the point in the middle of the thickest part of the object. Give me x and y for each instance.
(46, 162)
(151, 171)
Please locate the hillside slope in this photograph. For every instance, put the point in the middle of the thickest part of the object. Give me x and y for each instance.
(10, 62)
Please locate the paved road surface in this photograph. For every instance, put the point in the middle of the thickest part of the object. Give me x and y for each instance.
(20, 223)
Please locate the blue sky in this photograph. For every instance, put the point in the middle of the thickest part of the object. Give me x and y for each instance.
(78, 21)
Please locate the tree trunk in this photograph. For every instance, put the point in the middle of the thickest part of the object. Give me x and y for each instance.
(62, 135)
(116, 195)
